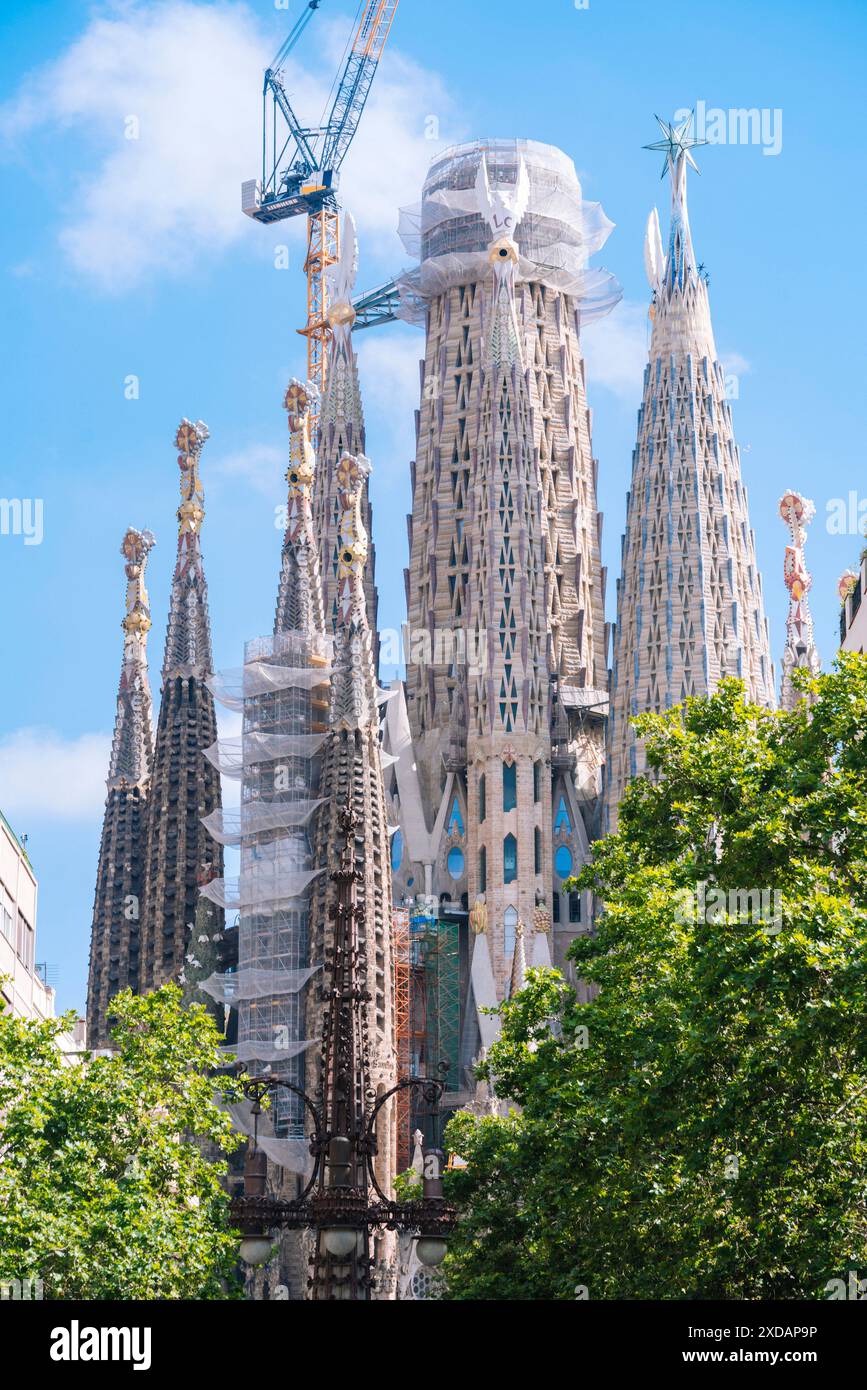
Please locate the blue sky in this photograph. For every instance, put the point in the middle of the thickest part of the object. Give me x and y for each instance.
(123, 257)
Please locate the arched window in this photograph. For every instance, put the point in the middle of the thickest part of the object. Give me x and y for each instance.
(563, 861)
(483, 869)
(537, 781)
(510, 786)
(510, 859)
(537, 850)
(396, 850)
(456, 820)
(455, 863)
(483, 809)
(562, 821)
(510, 923)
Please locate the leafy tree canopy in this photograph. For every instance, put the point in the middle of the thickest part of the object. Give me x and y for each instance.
(697, 1130)
(106, 1190)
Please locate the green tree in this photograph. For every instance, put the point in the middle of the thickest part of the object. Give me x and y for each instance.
(697, 1130)
(104, 1192)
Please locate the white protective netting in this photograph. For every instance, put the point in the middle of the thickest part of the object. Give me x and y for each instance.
(242, 683)
(231, 755)
(291, 1154)
(265, 886)
(230, 826)
(449, 232)
(256, 984)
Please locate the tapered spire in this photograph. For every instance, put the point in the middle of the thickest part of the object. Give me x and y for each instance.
(299, 599)
(680, 310)
(800, 654)
(184, 786)
(518, 977)
(132, 745)
(188, 643)
(351, 780)
(341, 433)
(114, 947)
(690, 609)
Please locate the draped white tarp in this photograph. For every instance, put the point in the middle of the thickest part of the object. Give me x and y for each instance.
(242, 683)
(557, 231)
(231, 755)
(250, 983)
(260, 887)
(228, 826)
(292, 1154)
(261, 1051)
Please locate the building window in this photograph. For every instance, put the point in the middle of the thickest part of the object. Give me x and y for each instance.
(563, 861)
(574, 907)
(456, 820)
(510, 859)
(510, 786)
(396, 850)
(510, 923)
(556, 908)
(537, 850)
(537, 781)
(455, 863)
(562, 821)
(483, 869)
(482, 806)
(7, 926)
(24, 944)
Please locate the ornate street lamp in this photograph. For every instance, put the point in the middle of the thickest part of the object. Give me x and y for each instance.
(342, 1202)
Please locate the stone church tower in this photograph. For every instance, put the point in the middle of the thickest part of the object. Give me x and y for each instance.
(179, 855)
(117, 912)
(341, 433)
(497, 738)
(690, 609)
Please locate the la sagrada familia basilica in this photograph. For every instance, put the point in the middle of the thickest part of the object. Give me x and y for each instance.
(480, 780)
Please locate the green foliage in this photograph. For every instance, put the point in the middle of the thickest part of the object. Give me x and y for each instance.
(105, 1191)
(699, 1129)
(408, 1186)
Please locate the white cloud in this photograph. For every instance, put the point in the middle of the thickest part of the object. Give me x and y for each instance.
(186, 78)
(734, 364)
(615, 351)
(388, 369)
(47, 776)
(263, 466)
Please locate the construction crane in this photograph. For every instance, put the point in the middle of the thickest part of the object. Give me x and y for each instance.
(301, 164)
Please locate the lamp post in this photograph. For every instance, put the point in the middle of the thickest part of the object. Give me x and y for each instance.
(342, 1201)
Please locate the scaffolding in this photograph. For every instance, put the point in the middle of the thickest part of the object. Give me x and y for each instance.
(282, 693)
(434, 1024)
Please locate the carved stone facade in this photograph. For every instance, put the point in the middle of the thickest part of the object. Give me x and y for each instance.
(498, 733)
(341, 434)
(184, 786)
(117, 909)
(690, 609)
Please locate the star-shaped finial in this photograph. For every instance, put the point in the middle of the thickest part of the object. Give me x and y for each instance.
(677, 142)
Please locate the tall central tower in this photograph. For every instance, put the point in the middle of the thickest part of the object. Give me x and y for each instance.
(690, 609)
(498, 743)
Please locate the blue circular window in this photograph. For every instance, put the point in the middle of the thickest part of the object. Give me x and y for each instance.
(396, 850)
(563, 861)
(455, 863)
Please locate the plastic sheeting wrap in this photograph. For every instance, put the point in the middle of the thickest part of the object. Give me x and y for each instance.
(229, 827)
(250, 983)
(449, 232)
(242, 683)
(292, 1154)
(258, 887)
(266, 1050)
(231, 755)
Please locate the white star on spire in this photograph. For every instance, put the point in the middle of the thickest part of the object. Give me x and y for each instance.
(677, 143)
